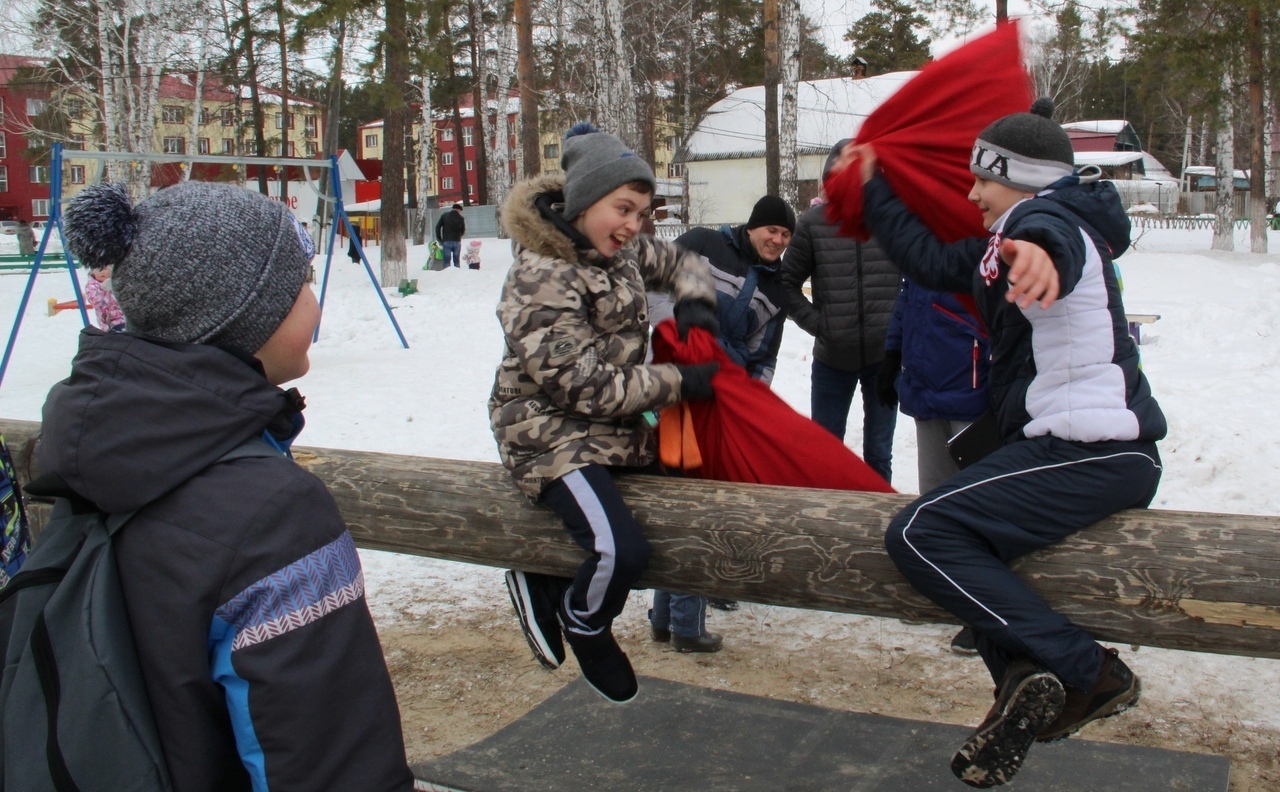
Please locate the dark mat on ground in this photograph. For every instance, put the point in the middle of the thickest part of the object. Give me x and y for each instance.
(681, 737)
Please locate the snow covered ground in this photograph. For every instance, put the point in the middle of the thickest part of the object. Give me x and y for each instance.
(1211, 358)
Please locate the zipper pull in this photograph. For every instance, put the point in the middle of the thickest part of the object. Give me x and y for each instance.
(975, 364)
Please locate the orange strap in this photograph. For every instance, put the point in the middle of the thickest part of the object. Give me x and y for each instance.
(677, 443)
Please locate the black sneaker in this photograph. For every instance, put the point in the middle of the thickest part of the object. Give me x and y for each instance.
(604, 665)
(536, 599)
(965, 642)
(1028, 700)
(1116, 690)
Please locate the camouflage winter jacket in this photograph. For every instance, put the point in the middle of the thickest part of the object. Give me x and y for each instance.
(573, 383)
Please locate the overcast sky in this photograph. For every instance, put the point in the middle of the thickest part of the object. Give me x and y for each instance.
(835, 17)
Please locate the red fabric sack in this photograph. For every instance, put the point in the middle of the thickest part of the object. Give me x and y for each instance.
(923, 136)
(749, 434)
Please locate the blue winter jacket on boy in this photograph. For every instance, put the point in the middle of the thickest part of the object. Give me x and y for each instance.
(1071, 370)
(945, 355)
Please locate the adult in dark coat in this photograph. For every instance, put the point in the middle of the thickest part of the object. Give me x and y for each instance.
(854, 289)
(450, 229)
(353, 248)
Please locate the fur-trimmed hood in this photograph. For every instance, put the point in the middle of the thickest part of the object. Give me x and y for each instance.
(526, 225)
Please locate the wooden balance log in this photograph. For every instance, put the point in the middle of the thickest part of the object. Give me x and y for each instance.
(1172, 579)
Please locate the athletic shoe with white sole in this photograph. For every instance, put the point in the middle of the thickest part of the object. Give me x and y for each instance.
(1029, 699)
(604, 665)
(536, 599)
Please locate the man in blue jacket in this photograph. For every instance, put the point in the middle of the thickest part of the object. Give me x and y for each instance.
(745, 260)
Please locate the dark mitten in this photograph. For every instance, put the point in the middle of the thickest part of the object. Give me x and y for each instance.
(696, 313)
(887, 378)
(695, 381)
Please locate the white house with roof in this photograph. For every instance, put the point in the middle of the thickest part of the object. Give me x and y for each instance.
(724, 155)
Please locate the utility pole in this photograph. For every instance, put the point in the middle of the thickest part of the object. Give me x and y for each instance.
(772, 160)
(529, 140)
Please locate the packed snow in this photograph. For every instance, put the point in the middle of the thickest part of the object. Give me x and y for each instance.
(1211, 357)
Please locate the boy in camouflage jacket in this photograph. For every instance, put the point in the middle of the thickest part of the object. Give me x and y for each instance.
(570, 397)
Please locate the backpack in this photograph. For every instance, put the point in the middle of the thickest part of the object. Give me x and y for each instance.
(73, 703)
(17, 533)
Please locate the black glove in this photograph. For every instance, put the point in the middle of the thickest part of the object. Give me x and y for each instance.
(695, 381)
(887, 378)
(696, 313)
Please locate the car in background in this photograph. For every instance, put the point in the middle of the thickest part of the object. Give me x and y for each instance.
(8, 226)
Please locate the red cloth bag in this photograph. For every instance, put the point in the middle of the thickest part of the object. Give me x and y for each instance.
(749, 434)
(923, 136)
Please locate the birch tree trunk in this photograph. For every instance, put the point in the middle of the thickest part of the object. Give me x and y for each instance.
(789, 53)
(500, 152)
(426, 153)
(1224, 205)
(106, 65)
(1257, 137)
(616, 106)
(193, 144)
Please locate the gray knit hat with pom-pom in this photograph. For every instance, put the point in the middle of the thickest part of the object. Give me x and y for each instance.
(595, 164)
(196, 263)
(1025, 151)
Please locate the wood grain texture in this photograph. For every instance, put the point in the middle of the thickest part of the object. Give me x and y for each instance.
(1180, 580)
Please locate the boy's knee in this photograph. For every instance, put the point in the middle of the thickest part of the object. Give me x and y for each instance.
(895, 540)
(632, 560)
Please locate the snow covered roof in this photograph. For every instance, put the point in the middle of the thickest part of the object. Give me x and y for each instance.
(829, 110)
(1209, 170)
(1155, 169)
(1101, 158)
(1113, 127)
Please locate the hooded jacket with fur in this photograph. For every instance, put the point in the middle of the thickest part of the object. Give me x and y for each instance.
(573, 384)
(243, 587)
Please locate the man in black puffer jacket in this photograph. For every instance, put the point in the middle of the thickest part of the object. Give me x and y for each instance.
(854, 287)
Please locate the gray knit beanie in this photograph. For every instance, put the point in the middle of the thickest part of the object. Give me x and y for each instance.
(196, 263)
(1025, 151)
(595, 164)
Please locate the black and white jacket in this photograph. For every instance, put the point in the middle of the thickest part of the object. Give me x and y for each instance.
(1072, 370)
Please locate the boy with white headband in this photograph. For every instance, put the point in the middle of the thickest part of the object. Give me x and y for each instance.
(1077, 423)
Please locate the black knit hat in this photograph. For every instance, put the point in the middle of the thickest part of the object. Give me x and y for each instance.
(772, 210)
(1025, 151)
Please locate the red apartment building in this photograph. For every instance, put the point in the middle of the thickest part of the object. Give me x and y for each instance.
(24, 188)
(453, 156)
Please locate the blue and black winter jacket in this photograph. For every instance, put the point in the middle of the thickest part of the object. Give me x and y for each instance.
(751, 297)
(243, 587)
(1070, 371)
(945, 355)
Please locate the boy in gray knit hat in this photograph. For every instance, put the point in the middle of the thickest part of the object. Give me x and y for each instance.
(570, 398)
(242, 585)
(1075, 427)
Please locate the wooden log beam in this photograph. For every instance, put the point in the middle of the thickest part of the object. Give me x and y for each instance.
(1180, 580)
